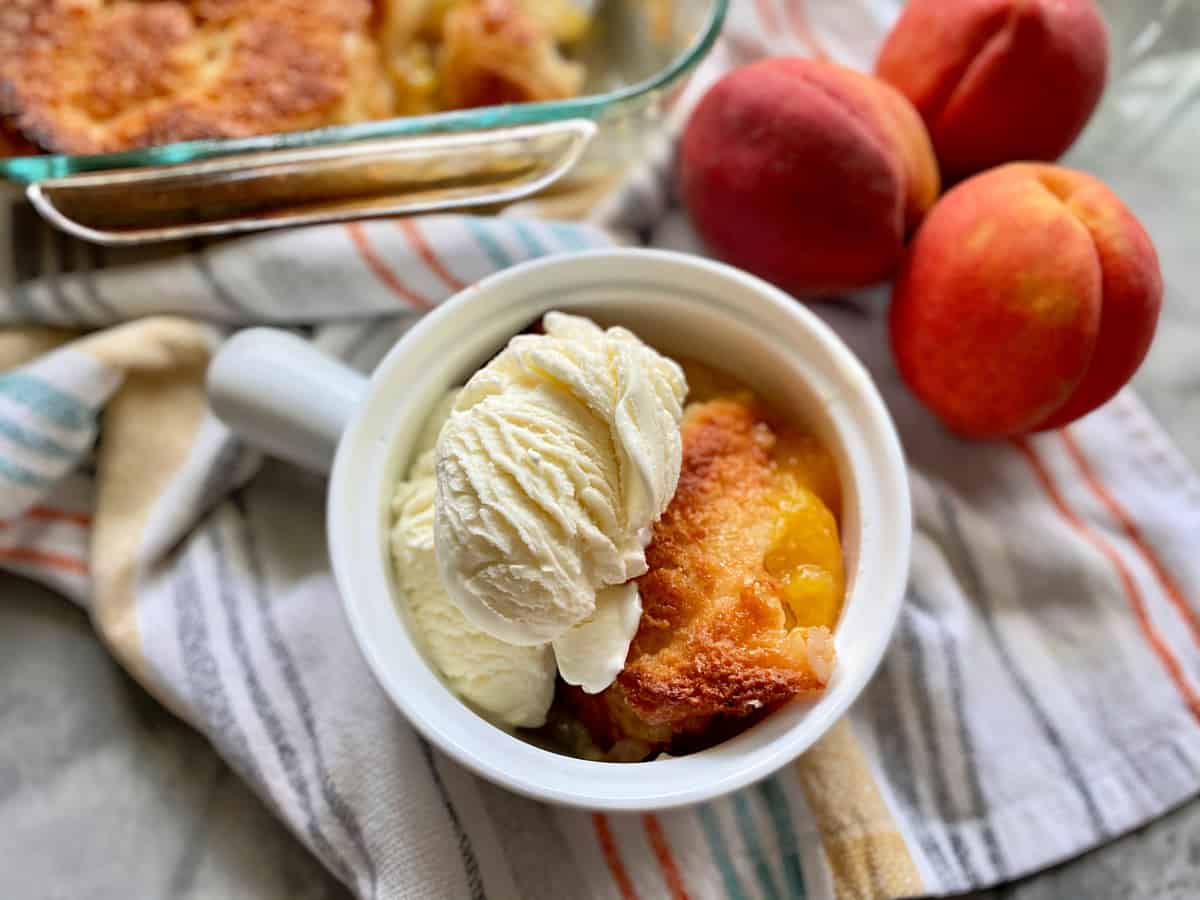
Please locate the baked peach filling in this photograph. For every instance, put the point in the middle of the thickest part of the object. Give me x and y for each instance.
(805, 553)
(744, 587)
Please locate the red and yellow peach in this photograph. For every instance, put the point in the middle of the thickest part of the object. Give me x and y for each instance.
(1028, 297)
(998, 81)
(806, 173)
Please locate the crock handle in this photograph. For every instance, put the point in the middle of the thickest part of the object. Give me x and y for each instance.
(283, 395)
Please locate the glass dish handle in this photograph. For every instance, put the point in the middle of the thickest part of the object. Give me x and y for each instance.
(279, 188)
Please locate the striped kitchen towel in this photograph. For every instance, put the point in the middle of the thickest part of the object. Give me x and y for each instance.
(1039, 699)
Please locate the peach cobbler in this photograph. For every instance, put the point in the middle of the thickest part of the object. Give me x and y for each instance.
(615, 571)
(745, 584)
(89, 76)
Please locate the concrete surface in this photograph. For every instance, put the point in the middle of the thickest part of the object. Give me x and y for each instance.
(104, 795)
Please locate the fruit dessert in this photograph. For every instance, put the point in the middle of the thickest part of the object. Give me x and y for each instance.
(91, 76)
(583, 557)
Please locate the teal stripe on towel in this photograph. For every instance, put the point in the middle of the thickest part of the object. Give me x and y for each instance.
(21, 475)
(46, 400)
(573, 237)
(31, 440)
(716, 846)
(789, 847)
(749, 830)
(489, 244)
(528, 239)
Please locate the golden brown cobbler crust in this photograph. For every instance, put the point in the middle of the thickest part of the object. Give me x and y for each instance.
(712, 645)
(84, 76)
(88, 76)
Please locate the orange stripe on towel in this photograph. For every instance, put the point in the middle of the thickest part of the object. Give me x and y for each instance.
(46, 514)
(1136, 601)
(48, 560)
(1166, 582)
(359, 238)
(767, 15)
(612, 856)
(662, 852)
(798, 16)
(417, 240)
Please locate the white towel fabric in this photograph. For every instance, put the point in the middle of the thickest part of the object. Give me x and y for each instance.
(1042, 694)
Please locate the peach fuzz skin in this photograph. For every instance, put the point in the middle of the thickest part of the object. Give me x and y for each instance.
(1027, 299)
(807, 174)
(998, 81)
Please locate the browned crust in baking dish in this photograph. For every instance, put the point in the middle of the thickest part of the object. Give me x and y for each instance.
(83, 76)
(88, 76)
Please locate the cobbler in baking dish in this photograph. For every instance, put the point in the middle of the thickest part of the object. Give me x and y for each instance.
(88, 76)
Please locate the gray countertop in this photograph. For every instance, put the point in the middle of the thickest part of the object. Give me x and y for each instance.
(104, 794)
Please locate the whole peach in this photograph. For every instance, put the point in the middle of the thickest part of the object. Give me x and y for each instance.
(998, 81)
(1028, 297)
(806, 173)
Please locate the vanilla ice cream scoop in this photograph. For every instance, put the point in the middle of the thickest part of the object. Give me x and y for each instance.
(512, 685)
(556, 461)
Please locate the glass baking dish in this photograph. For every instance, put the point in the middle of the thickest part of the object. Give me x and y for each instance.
(637, 55)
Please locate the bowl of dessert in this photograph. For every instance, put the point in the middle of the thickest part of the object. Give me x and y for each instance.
(624, 530)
